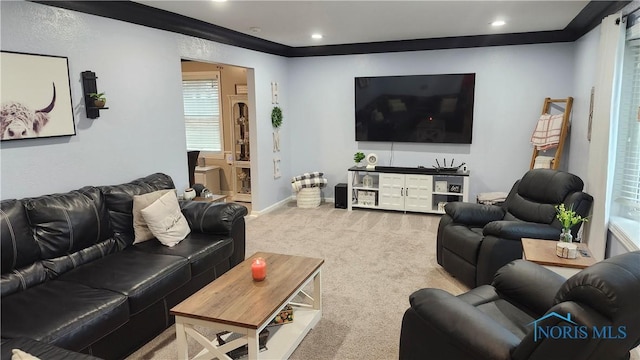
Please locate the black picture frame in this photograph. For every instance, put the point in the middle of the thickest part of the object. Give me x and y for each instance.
(35, 96)
(455, 188)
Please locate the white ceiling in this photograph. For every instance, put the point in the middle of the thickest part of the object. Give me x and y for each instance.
(344, 22)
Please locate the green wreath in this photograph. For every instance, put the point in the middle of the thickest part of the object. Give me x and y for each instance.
(276, 117)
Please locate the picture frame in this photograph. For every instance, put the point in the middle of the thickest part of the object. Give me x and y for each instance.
(441, 186)
(35, 96)
(366, 198)
(590, 123)
(241, 89)
(455, 188)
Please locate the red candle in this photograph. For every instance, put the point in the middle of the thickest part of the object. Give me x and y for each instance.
(259, 269)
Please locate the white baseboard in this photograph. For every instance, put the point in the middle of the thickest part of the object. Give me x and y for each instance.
(272, 207)
(284, 202)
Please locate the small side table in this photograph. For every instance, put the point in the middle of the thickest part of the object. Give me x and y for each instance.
(209, 176)
(543, 252)
(215, 198)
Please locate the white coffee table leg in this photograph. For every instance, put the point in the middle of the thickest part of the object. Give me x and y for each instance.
(317, 291)
(254, 346)
(181, 340)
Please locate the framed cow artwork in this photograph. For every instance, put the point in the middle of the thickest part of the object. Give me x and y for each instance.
(35, 96)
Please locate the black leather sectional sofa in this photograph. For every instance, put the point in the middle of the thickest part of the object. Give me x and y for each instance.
(72, 277)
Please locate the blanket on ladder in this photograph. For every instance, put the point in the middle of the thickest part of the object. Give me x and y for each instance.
(547, 132)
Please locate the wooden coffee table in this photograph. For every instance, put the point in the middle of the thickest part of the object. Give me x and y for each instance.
(234, 302)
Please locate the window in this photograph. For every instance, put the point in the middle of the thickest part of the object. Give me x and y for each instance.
(201, 96)
(626, 186)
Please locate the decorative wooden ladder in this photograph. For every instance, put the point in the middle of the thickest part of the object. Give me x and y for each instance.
(546, 109)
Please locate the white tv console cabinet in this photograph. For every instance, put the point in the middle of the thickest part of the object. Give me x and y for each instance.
(405, 189)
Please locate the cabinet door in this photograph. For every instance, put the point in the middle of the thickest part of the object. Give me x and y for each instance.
(391, 195)
(418, 190)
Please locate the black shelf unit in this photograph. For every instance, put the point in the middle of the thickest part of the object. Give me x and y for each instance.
(89, 86)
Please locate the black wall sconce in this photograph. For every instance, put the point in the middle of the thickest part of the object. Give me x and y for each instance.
(89, 87)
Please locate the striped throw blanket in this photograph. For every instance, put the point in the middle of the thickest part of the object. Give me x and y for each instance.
(306, 180)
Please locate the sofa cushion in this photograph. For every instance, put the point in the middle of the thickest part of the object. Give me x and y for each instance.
(65, 314)
(203, 251)
(42, 350)
(119, 199)
(143, 278)
(140, 229)
(165, 220)
(23, 278)
(17, 354)
(65, 223)
(18, 246)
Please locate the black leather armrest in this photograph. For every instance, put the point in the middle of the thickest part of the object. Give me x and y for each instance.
(473, 214)
(463, 324)
(516, 230)
(546, 347)
(528, 284)
(212, 217)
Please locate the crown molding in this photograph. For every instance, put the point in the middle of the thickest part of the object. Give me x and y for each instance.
(136, 13)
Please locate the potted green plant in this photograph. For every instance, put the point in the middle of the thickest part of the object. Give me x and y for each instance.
(357, 157)
(568, 218)
(99, 100)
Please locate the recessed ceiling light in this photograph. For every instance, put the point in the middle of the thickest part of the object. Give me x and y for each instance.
(255, 29)
(316, 36)
(219, 0)
(498, 23)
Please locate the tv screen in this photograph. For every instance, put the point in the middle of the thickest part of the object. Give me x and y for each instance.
(415, 108)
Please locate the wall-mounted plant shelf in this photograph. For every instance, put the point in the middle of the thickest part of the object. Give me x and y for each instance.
(89, 86)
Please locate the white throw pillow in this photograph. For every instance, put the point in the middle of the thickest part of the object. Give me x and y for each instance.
(165, 220)
(17, 354)
(140, 229)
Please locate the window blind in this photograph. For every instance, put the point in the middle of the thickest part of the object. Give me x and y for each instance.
(627, 169)
(202, 114)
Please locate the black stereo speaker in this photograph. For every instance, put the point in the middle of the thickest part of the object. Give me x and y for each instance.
(341, 196)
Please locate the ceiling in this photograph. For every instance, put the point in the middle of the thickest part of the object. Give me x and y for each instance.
(291, 23)
(356, 27)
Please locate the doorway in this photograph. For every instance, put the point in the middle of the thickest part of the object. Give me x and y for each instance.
(224, 167)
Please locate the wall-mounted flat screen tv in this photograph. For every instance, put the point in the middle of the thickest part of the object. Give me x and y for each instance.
(415, 108)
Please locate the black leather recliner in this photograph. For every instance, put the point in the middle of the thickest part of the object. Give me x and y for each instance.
(529, 312)
(475, 240)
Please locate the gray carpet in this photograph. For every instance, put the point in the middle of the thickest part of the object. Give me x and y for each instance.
(373, 261)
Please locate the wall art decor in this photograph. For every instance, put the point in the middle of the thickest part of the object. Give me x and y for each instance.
(274, 92)
(455, 188)
(35, 96)
(276, 117)
(593, 90)
(241, 89)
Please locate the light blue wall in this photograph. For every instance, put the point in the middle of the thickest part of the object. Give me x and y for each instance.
(511, 84)
(143, 131)
(586, 56)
